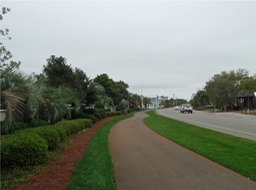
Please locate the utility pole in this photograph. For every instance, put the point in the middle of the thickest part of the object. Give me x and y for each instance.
(173, 100)
(141, 96)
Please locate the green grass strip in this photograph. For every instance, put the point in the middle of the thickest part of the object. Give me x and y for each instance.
(235, 153)
(95, 170)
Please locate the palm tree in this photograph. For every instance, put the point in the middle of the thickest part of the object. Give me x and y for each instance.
(26, 99)
(14, 89)
(51, 103)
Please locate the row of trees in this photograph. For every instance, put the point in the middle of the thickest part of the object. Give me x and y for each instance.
(221, 90)
(59, 92)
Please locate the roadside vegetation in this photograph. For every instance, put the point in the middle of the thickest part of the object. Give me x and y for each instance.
(227, 91)
(95, 170)
(235, 153)
(25, 153)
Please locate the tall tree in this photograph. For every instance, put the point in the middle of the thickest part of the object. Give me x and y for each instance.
(122, 88)
(5, 54)
(110, 87)
(248, 85)
(57, 72)
(222, 88)
(200, 99)
(80, 84)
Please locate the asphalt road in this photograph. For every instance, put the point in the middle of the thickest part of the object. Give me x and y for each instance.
(144, 160)
(231, 123)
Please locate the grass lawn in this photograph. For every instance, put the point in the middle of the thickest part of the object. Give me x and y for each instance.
(232, 152)
(95, 170)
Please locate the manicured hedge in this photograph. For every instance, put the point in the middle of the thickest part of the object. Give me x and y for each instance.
(40, 122)
(48, 133)
(74, 126)
(23, 149)
(100, 113)
(91, 117)
(109, 114)
(30, 146)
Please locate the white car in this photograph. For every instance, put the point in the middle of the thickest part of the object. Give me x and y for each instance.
(186, 108)
(177, 108)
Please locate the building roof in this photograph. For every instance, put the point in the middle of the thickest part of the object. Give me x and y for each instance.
(245, 95)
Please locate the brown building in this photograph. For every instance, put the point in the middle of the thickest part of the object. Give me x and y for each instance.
(246, 100)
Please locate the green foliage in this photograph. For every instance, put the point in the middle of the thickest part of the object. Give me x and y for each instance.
(29, 147)
(40, 122)
(117, 113)
(13, 127)
(201, 99)
(58, 73)
(232, 152)
(123, 106)
(110, 114)
(114, 90)
(222, 88)
(92, 117)
(23, 149)
(14, 91)
(74, 126)
(100, 113)
(61, 132)
(248, 85)
(49, 133)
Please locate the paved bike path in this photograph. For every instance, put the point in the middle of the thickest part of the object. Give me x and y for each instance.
(144, 160)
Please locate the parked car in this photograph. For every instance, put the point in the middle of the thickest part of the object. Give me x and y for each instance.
(177, 108)
(186, 108)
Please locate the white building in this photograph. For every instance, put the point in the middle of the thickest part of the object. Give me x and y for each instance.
(155, 102)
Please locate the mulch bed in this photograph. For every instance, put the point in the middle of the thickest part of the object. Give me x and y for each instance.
(58, 173)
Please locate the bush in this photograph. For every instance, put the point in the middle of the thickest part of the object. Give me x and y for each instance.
(62, 132)
(100, 113)
(40, 122)
(74, 126)
(92, 117)
(9, 128)
(109, 114)
(118, 113)
(23, 149)
(49, 133)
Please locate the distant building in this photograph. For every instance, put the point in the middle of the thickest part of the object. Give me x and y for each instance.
(246, 100)
(155, 102)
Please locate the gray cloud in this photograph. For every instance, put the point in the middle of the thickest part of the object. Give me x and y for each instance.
(167, 47)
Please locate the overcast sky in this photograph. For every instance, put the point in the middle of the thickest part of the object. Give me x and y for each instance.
(156, 47)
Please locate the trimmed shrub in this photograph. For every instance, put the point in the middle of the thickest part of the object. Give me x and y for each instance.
(74, 126)
(109, 114)
(92, 117)
(9, 128)
(49, 133)
(23, 149)
(20, 126)
(118, 113)
(100, 113)
(62, 132)
(40, 122)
